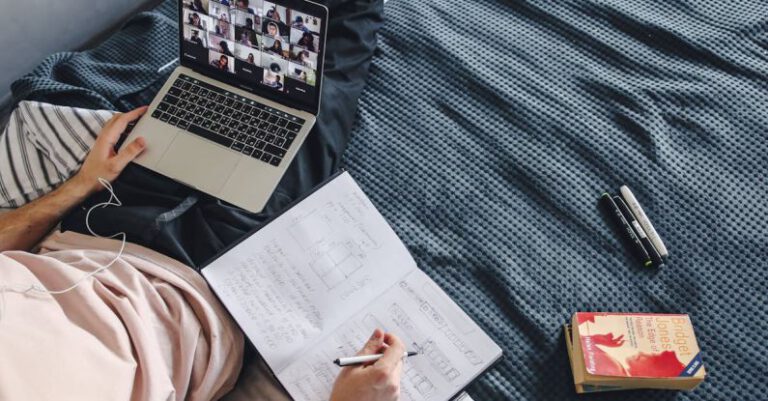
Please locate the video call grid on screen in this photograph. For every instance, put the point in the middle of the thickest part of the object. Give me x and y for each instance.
(258, 40)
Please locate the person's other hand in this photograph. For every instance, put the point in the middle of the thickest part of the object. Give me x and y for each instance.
(103, 161)
(378, 381)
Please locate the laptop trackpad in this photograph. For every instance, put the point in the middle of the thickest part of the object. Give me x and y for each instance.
(198, 163)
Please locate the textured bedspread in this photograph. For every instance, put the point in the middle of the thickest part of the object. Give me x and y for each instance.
(489, 130)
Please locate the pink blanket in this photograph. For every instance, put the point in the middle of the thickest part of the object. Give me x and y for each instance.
(148, 328)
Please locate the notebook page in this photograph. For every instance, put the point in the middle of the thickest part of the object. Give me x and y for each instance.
(453, 350)
(309, 270)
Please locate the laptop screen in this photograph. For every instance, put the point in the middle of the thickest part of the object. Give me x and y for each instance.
(271, 48)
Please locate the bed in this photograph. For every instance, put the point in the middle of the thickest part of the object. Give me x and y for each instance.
(488, 131)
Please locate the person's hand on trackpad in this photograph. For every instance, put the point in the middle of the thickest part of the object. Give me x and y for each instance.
(103, 161)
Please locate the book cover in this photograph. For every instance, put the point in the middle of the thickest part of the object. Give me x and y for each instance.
(638, 345)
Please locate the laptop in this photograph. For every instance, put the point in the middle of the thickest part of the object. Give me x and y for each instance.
(233, 114)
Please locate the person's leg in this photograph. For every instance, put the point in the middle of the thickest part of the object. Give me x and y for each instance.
(192, 227)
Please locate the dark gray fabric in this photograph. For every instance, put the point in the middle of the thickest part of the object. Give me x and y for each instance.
(164, 215)
(119, 74)
(489, 130)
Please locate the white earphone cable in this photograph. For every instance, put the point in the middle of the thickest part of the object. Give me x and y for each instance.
(112, 201)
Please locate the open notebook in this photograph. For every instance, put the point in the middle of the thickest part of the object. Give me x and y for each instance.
(313, 284)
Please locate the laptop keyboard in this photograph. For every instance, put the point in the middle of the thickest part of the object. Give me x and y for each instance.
(216, 114)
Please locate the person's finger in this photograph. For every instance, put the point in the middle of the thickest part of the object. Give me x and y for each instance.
(374, 343)
(122, 121)
(104, 138)
(397, 372)
(130, 152)
(112, 130)
(393, 354)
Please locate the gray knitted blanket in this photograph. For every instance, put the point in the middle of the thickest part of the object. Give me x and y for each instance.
(489, 129)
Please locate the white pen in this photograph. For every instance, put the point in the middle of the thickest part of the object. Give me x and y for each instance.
(359, 360)
(634, 205)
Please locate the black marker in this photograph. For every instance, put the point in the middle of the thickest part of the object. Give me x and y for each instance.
(624, 225)
(639, 232)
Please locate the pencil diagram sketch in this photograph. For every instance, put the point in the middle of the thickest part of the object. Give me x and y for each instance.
(420, 382)
(371, 321)
(335, 264)
(314, 378)
(434, 317)
(332, 260)
(310, 230)
(440, 361)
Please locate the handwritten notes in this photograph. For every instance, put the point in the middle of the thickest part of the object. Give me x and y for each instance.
(452, 349)
(312, 285)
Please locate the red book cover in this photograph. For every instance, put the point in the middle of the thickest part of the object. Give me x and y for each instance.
(639, 345)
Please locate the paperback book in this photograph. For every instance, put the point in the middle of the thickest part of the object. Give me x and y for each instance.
(621, 351)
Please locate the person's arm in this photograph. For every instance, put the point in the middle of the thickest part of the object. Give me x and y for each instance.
(379, 381)
(22, 228)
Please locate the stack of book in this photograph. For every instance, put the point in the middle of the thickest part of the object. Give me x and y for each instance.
(623, 351)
